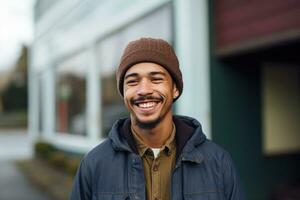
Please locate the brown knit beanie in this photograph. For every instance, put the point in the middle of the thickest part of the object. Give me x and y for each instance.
(150, 50)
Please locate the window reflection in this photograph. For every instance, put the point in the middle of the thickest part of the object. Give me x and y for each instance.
(71, 95)
(112, 103)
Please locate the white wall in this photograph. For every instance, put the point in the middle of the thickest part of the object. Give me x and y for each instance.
(192, 47)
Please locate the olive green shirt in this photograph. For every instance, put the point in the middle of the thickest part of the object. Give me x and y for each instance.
(158, 170)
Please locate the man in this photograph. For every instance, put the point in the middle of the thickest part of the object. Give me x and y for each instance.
(155, 155)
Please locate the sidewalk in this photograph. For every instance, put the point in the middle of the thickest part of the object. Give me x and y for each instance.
(14, 186)
(15, 145)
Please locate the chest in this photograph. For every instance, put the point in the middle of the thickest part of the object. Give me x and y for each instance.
(124, 179)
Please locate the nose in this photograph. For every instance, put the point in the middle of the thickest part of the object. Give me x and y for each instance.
(145, 88)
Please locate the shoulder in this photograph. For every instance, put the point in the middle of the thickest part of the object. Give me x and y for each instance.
(98, 153)
(213, 152)
(211, 147)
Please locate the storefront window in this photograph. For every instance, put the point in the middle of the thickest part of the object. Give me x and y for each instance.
(71, 95)
(156, 24)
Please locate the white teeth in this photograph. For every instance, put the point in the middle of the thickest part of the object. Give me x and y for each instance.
(146, 105)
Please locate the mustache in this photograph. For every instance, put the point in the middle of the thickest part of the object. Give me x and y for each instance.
(147, 97)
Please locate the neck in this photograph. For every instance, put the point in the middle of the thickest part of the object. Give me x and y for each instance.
(157, 136)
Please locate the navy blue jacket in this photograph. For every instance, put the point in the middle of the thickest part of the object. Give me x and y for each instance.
(114, 171)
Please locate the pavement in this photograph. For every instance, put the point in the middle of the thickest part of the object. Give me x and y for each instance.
(15, 145)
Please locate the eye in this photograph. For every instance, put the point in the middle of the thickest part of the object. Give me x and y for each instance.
(131, 82)
(157, 80)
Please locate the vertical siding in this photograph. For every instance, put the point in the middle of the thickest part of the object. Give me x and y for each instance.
(240, 21)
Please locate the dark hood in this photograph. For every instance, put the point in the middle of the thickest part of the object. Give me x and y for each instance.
(188, 134)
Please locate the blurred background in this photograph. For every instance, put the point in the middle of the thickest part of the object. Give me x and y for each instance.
(58, 98)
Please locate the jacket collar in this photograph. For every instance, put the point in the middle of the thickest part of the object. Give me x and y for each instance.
(188, 136)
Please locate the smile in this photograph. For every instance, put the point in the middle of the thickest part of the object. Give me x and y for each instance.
(147, 104)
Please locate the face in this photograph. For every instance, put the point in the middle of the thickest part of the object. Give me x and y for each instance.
(148, 94)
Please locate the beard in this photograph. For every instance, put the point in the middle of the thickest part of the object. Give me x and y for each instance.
(148, 125)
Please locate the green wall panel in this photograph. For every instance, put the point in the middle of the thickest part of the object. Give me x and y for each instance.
(237, 124)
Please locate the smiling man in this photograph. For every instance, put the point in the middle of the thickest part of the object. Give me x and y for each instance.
(154, 155)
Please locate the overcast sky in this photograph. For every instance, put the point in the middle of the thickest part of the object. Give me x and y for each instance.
(16, 28)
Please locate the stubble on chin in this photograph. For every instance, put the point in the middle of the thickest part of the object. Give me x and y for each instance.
(147, 125)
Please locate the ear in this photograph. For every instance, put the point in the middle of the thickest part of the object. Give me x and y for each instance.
(175, 91)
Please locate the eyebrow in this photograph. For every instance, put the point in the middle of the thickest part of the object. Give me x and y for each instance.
(157, 73)
(150, 73)
(130, 75)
